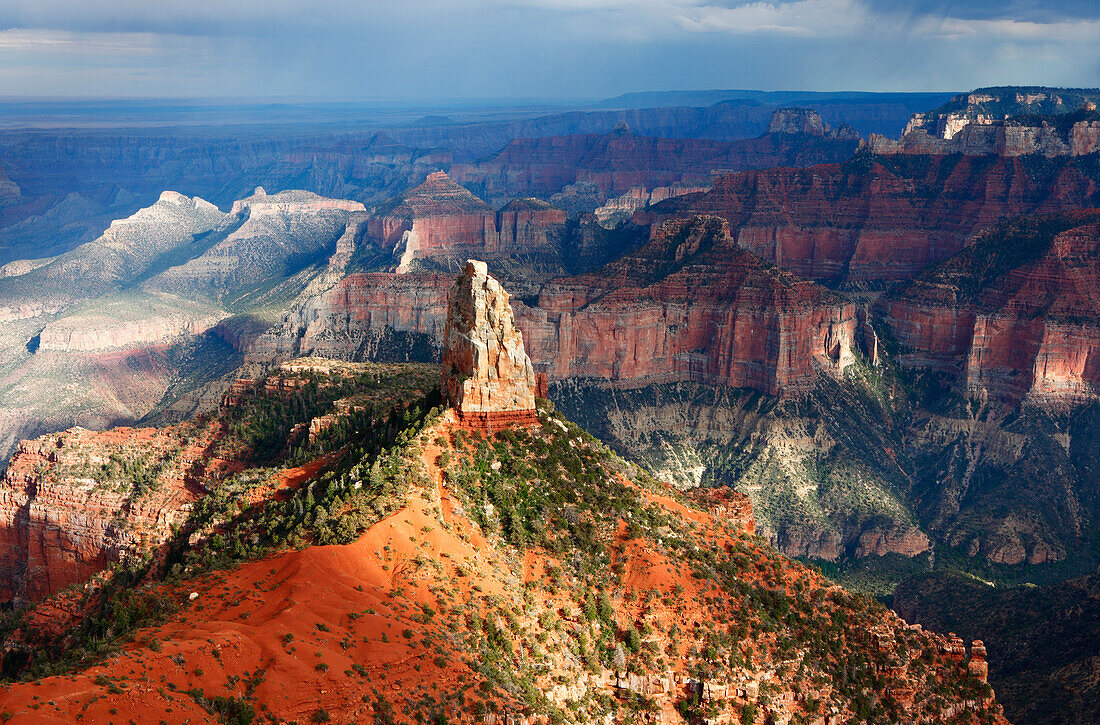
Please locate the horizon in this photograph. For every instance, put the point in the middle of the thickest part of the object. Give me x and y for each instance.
(479, 102)
(379, 114)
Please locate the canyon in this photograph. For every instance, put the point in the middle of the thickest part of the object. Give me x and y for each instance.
(613, 163)
(874, 220)
(684, 327)
(884, 364)
(1016, 315)
(449, 536)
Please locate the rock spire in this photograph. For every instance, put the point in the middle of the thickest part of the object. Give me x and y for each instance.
(487, 375)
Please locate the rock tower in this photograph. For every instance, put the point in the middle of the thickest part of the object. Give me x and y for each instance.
(487, 376)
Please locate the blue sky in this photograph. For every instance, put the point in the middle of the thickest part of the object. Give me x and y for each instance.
(446, 49)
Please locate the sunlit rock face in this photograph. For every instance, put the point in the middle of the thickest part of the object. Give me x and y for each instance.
(877, 220)
(486, 372)
(691, 305)
(1016, 315)
(436, 216)
(64, 516)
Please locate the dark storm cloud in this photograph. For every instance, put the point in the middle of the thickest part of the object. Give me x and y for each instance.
(1037, 11)
(536, 48)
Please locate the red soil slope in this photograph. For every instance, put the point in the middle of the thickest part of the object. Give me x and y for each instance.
(352, 631)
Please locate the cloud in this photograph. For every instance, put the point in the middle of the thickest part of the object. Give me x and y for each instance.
(1036, 11)
(1008, 29)
(538, 48)
(802, 17)
(53, 42)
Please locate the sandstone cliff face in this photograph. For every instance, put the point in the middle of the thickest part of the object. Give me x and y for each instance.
(119, 319)
(1005, 121)
(622, 207)
(485, 370)
(875, 220)
(126, 322)
(74, 502)
(1015, 315)
(525, 225)
(1004, 337)
(378, 316)
(436, 216)
(690, 305)
(69, 504)
(983, 136)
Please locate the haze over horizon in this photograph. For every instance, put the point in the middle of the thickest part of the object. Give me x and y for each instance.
(545, 49)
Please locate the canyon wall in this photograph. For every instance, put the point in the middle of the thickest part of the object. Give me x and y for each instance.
(435, 216)
(691, 305)
(525, 225)
(615, 162)
(380, 316)
(1015, 315)
(73, 502)
(876, 220)
(982, 136)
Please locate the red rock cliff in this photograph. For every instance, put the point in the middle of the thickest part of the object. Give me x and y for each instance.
(690, 305)
(361, 315)
(436, 216)
(68, 507)
(526, 224)
(876, 220)
(1016, 314)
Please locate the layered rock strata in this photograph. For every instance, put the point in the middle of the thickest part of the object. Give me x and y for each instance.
(1005, 121)
(525, 225)
(1016, 315)
(982, 136)
(69, 505)
(486, 374)
(691, 305)
(376, 316)
(875, 220)
(436, 216)
(126, 250)
(622, 207)
(265, 238)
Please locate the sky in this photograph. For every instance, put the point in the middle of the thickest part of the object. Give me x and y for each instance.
(368, 50)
